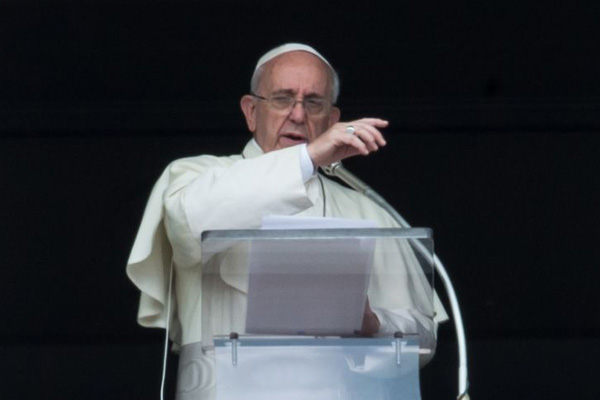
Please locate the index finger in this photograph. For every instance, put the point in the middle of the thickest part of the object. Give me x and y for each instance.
(369, 133)
(378, 122)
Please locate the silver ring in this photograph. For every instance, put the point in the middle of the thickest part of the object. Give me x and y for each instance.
(350, 129)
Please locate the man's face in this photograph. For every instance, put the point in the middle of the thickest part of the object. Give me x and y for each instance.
(300, 75)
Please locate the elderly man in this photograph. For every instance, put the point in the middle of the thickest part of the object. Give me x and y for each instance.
(295, 126)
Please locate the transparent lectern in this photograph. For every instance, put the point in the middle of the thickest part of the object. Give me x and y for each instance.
(305, 295)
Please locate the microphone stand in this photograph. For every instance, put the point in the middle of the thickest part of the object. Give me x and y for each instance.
(337, 169)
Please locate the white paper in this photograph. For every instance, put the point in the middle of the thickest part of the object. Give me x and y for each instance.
(309, 286)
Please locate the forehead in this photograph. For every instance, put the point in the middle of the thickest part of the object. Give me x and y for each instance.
(297, 71)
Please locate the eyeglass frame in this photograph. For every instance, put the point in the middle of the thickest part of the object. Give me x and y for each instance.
(327, 104)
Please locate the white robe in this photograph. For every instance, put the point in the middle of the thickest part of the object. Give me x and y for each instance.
(207, 193)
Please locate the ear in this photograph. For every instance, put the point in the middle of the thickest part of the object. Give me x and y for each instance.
(334, 115)
(249, 109)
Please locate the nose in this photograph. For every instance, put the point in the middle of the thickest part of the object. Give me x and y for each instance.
(298, 115)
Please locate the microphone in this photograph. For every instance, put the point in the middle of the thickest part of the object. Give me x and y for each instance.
(337, 170)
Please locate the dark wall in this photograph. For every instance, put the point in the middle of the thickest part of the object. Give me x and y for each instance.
(493, 142)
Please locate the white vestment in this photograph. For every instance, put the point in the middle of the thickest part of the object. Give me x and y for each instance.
(208, 193)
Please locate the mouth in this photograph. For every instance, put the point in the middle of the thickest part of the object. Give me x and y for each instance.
(292, 139)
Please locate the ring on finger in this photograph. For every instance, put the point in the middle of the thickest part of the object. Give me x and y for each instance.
(350, 129)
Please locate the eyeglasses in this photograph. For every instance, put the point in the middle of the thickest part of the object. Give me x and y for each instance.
(314, 106)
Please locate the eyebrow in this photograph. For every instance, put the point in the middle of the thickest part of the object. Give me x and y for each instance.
(290, 92)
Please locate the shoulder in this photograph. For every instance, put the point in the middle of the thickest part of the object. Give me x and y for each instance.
(181, 171)
(204, 161)
(189, 167)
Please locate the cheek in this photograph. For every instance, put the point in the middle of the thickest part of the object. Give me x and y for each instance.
(275, 122)
(318, 127)
(269, 127)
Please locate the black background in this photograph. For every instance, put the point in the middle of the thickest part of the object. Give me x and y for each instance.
(493, 142)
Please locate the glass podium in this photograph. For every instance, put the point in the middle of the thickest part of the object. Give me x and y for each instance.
(302, 295)
(317, 368)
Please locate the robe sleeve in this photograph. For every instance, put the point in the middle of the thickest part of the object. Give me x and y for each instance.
(150, 259)
(207, 193)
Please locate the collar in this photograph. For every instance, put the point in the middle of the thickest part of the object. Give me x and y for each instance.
(252, 150)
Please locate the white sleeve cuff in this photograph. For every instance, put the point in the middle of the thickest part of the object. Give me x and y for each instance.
(306, 165)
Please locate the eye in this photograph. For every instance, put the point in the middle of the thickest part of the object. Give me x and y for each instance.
(313, 103)
(282, 101)
(314, 106)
